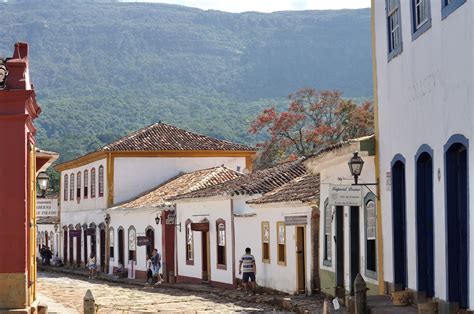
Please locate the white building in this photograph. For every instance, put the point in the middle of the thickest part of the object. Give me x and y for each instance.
(124, 169)
(284, 240)
(147, 222)
(348, 235)
(424, 65)
(213, 237)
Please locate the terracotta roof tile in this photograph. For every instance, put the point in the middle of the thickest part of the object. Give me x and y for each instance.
(183, 183)
(160, 136)
(303, 189)
(258, 182)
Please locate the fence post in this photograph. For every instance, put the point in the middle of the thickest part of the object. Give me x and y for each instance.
(89, 303)
(360, 295)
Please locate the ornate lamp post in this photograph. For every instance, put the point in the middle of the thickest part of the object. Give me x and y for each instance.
(355, 166)
(43, 182)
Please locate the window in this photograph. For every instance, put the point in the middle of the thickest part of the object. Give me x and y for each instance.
(221, 256)
(132, 244)
(370, 236)
(93, 183)
(449, 6)
(71, 188)
(266, 242)
(111, 241)
(78, 187)
(86, 183)
(101, 181)
(394, 28)
(66, 190)
(327, 234)
(421, 16)
(281, 243)
(189, 244)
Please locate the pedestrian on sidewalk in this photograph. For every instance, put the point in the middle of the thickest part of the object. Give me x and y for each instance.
(48, 255)
(149, 271)
(91, 264)
(156, 266)
(247, 263)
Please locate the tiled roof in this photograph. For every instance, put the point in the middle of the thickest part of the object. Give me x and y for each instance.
(165, 137)
(302, 189)
(258, 182)
(183, 183)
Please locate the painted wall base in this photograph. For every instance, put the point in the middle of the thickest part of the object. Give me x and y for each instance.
(13, 291)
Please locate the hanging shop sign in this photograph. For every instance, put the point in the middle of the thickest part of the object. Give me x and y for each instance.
(200, 226)
(345, 195)
(75, 233)
(143, 241)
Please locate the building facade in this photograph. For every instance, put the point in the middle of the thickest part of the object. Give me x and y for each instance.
(122, 171)
(424, 86)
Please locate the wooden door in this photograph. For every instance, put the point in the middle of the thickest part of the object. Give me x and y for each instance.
(354, 245)
(301, 259)
(102, 250)
(205, 256)
(340, 289)
(399, 225)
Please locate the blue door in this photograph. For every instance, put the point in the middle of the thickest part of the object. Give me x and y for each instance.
(424, 223)
(399, 225)
(457, 224)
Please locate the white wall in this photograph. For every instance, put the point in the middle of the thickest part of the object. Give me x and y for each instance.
(135, 175)
(330, 175)
(85, 203)
(425, 95)
(249, 234)
(211, 209)
(141, 219)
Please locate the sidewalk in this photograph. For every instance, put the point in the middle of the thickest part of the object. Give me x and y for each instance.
(291, 303)
(53, 306)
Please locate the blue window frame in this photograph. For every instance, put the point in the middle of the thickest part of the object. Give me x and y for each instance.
(394, 28)
(420, 17)
(449, 6)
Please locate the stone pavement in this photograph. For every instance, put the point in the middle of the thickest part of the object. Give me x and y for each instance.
(53, 306)
(260, 302)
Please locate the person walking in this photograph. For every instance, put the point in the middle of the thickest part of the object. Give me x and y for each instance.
(149, 270)
(248, 270)
(91, 264)
(156, 266)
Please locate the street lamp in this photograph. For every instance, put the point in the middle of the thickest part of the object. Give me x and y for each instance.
(157, 219)
(43, 182)
(355, 166)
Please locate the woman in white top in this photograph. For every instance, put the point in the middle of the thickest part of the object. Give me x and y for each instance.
(91, 263)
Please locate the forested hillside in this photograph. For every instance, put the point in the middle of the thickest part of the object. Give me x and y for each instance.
(103, 69)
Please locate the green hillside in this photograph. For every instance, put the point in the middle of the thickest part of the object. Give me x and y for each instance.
(103, 69)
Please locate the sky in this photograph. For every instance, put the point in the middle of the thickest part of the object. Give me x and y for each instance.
(267, 5)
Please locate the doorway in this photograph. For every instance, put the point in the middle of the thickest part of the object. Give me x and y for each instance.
(71, 249)
(340, 290)
(102, 250)
(457, 224)
(424, 223)
(150, 234)
(399, 225)
(78, 249)
(205, 256)
(120, 247)
(354, 246)
(301, 259)
(85, 247)
(65, 260)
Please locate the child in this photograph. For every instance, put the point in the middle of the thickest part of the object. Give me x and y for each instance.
(92, 266)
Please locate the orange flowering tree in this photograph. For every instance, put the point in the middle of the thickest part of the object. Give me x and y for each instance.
(313, 120)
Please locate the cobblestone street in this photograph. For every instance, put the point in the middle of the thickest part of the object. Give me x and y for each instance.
(113, 298)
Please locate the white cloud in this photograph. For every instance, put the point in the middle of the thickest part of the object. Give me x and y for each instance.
(267, 5)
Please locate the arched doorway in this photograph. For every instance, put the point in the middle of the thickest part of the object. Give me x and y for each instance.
(102, 247)
(150, 234)
(424, 223)
(121, 246)
(71, 247)
(457, 220)
(65, 242)
(92, 233)
(46, 238)
(84, 227)
(399, 223)
(78, 245)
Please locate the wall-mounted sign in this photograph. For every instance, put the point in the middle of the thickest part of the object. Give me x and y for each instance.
(46, 207)
(201, 226)
(171, 219)
(143, 241)
(296, 220)
(75, 233)
(345, 195)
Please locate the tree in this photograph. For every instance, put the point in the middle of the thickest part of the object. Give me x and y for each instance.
(313, 120)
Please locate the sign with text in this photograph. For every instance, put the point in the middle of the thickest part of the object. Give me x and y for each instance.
(46, 207)
(143, 241)
(75, 233)
(171, 219)
(296, 220)
(200, 226)
(345, 195)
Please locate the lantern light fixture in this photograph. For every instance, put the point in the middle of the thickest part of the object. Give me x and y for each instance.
(43, 182)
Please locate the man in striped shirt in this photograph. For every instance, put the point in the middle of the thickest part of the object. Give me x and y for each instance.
(247, 262)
